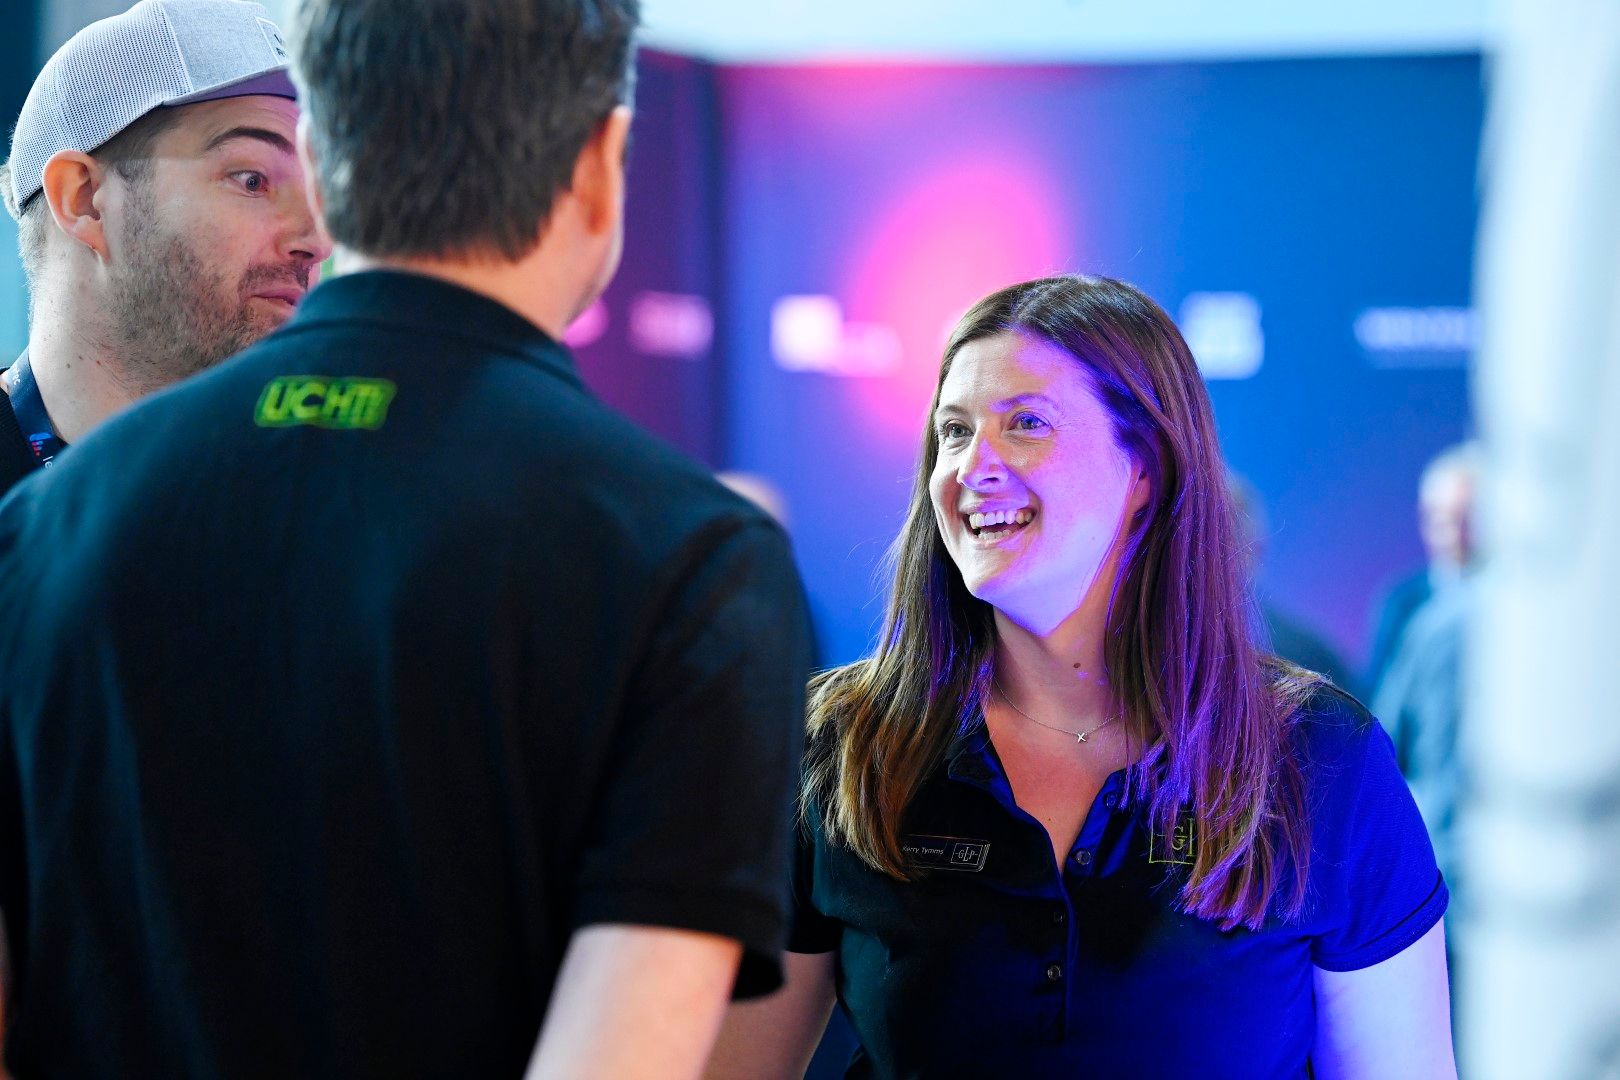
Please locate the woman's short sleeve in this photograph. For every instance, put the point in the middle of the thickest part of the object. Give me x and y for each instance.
(809, 930)
(1375, 885)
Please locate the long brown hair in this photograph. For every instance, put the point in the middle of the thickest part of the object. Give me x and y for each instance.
(1211, 713)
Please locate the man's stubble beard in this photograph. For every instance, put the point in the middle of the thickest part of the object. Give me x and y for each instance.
(172, 315)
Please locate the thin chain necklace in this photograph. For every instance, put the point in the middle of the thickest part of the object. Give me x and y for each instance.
(1079, 736)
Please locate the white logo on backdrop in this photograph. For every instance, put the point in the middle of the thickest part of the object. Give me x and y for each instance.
(671, 324)
(1223, 331)
(808, 333)
(1430, 337)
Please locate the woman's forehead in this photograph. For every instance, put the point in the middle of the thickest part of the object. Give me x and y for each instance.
(1009, 364)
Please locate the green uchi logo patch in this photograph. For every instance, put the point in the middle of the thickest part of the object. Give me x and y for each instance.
(343, 403)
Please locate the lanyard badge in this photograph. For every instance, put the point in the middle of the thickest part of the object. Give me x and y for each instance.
(32, 418)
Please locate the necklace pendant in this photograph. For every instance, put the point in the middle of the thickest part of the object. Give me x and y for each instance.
(1080, 736)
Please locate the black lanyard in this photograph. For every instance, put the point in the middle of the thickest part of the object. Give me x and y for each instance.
(32, 418)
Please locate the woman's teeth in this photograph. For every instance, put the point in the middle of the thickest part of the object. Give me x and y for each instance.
(1014, 518)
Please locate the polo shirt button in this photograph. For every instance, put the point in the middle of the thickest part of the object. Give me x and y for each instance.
(1054, 972)
(1083, 857)
(1110, 800)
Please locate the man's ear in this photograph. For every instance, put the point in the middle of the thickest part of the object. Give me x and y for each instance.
(74, 187)
(306, 161)
(598, 182)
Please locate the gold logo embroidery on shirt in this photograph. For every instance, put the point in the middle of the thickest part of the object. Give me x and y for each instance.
(1178, 847)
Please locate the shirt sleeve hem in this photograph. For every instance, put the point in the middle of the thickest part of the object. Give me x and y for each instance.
(1396, 941)
(753, 920)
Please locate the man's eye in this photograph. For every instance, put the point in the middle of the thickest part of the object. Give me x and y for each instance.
(254, 183)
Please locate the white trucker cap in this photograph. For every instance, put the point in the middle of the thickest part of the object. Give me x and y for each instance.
(113, 72)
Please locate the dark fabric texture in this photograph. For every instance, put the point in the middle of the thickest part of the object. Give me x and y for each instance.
(1023, 968)
(16, 461)
(318, 741)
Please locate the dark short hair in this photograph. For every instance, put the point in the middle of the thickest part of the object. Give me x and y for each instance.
(448, 127)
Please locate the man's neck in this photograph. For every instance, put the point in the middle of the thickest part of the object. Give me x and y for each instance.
(525, 287)
(79, 380)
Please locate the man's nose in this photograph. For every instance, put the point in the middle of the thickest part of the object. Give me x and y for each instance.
(306, 236)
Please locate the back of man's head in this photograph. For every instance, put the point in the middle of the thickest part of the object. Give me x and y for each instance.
(447, 128)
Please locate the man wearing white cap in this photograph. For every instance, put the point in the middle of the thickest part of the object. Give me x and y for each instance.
(161, 212)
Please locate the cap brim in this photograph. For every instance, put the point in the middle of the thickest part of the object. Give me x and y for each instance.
(274, 83)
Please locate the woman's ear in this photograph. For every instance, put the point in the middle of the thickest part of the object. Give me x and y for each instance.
(1140, 497)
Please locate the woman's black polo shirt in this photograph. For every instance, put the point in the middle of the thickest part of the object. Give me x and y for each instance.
(996, 963)
(345, 681)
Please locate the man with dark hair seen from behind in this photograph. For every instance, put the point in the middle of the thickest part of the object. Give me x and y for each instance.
(386, 705)
(161, 214)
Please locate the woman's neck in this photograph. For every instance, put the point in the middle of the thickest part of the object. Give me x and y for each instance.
(1061, 674)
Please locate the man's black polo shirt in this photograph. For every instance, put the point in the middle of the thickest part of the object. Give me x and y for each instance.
(343, 682)
(999, 963)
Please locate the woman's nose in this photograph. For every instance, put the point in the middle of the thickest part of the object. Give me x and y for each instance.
(983, 466)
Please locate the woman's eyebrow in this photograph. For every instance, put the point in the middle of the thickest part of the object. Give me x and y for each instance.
(1024, 399)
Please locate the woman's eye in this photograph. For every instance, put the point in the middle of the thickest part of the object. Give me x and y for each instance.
(1029, 422)
(952, 429)
(254, 183)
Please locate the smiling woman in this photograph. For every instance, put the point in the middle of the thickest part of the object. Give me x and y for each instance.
(1069, 818)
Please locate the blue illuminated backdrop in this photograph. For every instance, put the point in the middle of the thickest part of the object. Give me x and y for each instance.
(1274, 204)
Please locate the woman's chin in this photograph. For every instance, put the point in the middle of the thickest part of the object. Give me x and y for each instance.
(1001, 591)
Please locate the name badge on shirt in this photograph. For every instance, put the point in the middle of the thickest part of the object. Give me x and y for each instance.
(945, 852)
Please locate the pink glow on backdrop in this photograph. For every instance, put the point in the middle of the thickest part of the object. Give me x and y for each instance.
(961, 230)
(585, 330)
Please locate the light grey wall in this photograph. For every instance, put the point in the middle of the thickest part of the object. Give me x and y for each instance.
(1541, 943)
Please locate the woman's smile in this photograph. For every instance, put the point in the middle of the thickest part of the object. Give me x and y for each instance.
(993, 528)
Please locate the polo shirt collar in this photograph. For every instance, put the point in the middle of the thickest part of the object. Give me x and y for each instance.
(972, 759)
(397, 298)
(970, 756)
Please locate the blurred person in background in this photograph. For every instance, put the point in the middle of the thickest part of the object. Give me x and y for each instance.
(1068, 819)
(162, 217)
(379, 702)
(1289, 638)
(1419, 695)
(1445, 521)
